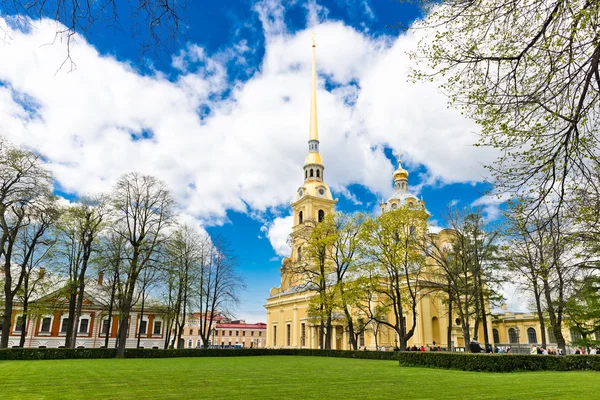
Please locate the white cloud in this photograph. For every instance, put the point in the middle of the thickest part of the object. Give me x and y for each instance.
(278, 232)
(244, 152)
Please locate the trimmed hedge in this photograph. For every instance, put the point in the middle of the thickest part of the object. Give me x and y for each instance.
(54, 354)
(459, 361)
(499, 362)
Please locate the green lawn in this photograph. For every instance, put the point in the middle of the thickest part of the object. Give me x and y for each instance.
(277, 377)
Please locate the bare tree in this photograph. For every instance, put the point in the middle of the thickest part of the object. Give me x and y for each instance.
(78, 232)
(157, 23)
(219, 285)
(33, 250)
(23, 182)
(527, 72)
(143, 208)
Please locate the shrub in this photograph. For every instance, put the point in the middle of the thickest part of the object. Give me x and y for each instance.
(55, 354)
(499, 362)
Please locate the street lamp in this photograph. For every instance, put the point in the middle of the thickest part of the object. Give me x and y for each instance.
(518, 339)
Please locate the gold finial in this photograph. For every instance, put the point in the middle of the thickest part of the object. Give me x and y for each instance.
(314, 129)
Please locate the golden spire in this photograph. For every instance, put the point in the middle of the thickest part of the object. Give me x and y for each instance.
(313, 156)
(314, 128)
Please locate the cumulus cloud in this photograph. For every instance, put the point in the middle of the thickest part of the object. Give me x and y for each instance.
(228, 145)
(278, 232)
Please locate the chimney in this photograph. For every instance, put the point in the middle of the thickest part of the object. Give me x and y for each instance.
(41, 273)
(100, 277)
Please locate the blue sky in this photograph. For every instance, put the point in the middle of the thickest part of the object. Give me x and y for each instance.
(222, 117)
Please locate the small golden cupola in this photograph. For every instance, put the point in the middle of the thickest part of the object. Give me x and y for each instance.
(401, 195)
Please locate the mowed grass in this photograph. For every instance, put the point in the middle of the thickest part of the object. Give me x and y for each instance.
(277, 377)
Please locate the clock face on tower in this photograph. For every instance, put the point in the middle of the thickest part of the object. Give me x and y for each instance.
(321, 191)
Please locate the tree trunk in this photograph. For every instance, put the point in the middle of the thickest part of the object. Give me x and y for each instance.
(486, 334)
(139, 333)
(113, 290)
(71, 317)
(538, 307)
(328, 333)
(125, 322)
(23, 330)
(450, 322)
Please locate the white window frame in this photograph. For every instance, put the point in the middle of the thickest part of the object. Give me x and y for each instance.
(48, 332)
(105, 318)
(154, 324)
(82, 317)
(145, 334)
(14, 327)
(62, 318)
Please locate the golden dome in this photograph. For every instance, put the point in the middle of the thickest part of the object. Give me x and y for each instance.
(400, 173)
(313, 158)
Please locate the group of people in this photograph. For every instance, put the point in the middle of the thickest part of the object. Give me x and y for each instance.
(551, 350)
(424, 348)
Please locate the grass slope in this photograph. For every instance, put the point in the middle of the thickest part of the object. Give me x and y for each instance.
(277, 377)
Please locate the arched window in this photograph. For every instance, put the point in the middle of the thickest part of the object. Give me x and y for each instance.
(551, 337)
(311, 173)
(575, 335)
(306, 174)
(300, 217)
(321, 215)
(531, 335)
(299, 253)
(512, 335)
(496, 336)
(318, 173)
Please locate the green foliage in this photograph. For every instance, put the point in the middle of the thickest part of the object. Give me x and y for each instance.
(460, 361)
(499, 362)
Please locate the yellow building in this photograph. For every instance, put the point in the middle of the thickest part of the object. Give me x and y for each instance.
(288, 322)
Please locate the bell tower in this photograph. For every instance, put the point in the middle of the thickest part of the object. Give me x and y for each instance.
(313, 199)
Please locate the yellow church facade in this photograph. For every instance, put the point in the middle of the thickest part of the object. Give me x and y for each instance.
(288, 321)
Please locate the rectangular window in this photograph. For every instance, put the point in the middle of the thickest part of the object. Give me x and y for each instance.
(251, 333)
(361, 339)
(223, 333)
(237, 333)
(303, 334)
(46, 325)
(19, 324)
(229, 333)
(157, 326)
(64, 325)
(104, 329)
(83, 325)
(243, 333)
(143, 327)
(274, 335)
(259, 333)
(288, 334)
(191, 332)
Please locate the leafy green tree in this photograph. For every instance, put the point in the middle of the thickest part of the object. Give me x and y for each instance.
(392, 246)
(344, 256)
(463, 268)
(314, 267)
(582, 311)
